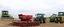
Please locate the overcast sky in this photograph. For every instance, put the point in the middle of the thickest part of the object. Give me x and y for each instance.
(48, 7)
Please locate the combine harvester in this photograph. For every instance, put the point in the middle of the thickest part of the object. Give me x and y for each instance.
(25, 21)
(57, 18)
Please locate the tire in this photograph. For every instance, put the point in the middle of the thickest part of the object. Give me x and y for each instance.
(40, 20)
(52, 20)
(43, 20)
(56, 21)
(61, 20)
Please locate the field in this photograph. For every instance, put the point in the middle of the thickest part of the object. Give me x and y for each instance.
(4, 23)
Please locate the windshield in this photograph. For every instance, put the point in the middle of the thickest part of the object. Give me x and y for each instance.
(39, 15)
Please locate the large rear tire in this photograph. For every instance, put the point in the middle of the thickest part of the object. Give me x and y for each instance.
(56, 20)
(61, 20)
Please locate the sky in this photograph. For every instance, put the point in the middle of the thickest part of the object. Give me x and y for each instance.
(47, 7)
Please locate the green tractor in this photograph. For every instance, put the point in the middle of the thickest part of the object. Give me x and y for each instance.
(60, 17)
(40, 18)
(52, 18)
(6, 15)
(57, 18)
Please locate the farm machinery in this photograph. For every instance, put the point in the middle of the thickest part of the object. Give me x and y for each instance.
(58, 18)
(40, 18)
(25, 20)
(52, 18)
(6, 15)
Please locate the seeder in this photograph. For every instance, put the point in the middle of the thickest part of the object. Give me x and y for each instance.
(25, 21)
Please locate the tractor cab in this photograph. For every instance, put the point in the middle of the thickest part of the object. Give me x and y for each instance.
(60, 13)
(40, 15)
(5, 13)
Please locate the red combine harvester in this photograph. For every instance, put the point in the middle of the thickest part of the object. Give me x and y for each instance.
(25, 21)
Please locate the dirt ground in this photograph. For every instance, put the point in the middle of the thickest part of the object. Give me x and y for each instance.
(4, 23)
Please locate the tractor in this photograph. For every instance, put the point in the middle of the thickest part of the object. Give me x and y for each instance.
(57, 18)
(52, 18)
(40, 18)
(60, 17)
(6, 15)
(25, 20)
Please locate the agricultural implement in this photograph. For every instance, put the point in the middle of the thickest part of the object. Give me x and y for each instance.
(40, 18)
(25, 21)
